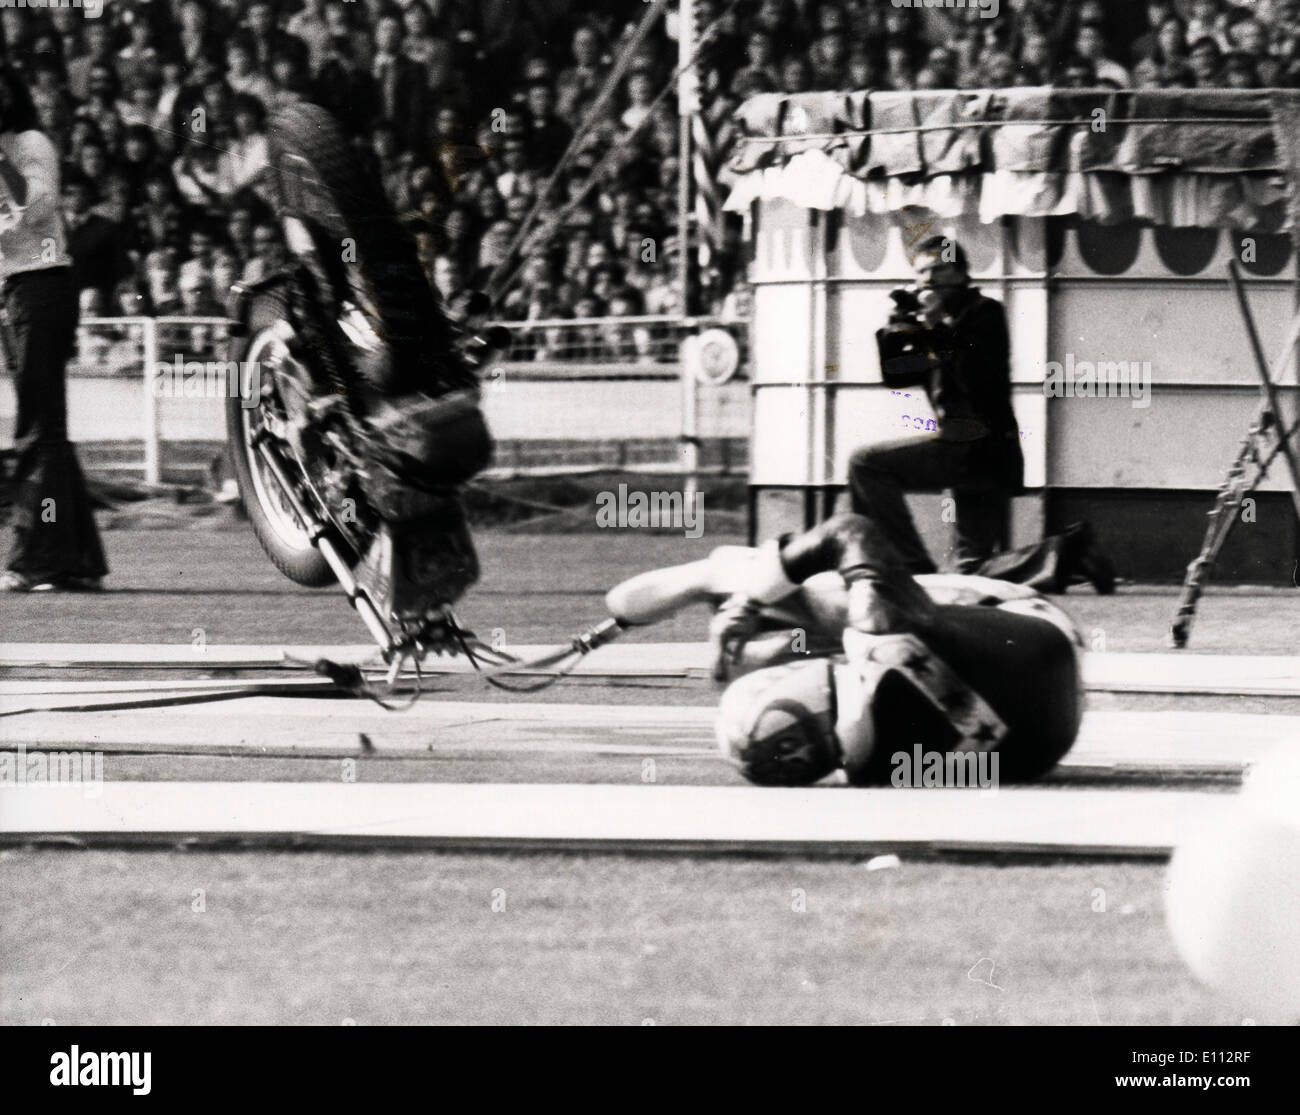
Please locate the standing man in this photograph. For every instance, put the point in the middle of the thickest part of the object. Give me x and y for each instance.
(951, 340)
(56, 544)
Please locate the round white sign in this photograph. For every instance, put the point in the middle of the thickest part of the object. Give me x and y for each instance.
(716, 356)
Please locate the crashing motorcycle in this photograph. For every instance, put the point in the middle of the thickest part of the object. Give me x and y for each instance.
(360, 422)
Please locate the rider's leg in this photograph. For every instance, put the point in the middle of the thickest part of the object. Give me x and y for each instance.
(659, 593)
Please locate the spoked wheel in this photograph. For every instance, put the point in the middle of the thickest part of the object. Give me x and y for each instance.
(281, 534)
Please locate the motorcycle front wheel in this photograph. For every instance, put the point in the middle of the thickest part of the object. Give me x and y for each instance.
(278, 529)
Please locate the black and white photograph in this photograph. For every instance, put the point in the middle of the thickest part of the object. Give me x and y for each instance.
(659, 513)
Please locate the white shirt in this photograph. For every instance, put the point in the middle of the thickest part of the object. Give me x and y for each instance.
(1111, 71)
(311, 28)
(31, 235)
(631, 119)
(249, 156)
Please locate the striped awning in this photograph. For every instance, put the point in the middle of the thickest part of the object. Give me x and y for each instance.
(1207, 158)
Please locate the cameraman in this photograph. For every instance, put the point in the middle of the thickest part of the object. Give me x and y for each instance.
(953, 341)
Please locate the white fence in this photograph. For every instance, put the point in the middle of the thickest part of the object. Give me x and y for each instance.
(127, 348)
(565, 380)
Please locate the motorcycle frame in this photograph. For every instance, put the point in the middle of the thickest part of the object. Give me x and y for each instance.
(326, 537)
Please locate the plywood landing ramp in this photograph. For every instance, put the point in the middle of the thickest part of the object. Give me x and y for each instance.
(1254, 675)
(1153, 742)
(834, 820)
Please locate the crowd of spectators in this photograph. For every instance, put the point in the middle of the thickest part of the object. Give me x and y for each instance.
(159, 108)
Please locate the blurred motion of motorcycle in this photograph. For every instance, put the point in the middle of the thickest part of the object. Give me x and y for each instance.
(365, 422)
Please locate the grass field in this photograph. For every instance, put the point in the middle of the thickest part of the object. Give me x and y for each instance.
(103, 936)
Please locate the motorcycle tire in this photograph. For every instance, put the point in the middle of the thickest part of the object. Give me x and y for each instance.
(277, 529)
(362, 249)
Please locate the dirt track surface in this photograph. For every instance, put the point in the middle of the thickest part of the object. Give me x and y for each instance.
(166, 584)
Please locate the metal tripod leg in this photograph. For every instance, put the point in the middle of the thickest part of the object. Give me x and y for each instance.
(1222, 518)
(1272, 400)
(1238, 484)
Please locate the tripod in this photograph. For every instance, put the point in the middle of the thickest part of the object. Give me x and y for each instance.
(1267, 438)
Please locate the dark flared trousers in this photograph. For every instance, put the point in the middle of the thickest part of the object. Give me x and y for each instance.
(54, 529)
(879, 475)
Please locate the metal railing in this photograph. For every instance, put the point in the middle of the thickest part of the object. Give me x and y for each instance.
(643, 348)
(130, 346)
(648, 346)
(635, 347)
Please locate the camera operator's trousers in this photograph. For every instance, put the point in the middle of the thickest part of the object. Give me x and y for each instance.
(879, 475)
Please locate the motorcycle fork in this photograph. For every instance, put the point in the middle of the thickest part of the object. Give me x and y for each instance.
(319, 533)
(446, 628)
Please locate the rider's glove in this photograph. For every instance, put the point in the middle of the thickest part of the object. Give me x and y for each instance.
(734, 624)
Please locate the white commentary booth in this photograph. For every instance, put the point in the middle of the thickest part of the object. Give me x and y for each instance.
(1104, 222)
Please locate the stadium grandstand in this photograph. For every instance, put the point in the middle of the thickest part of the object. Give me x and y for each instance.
(159, 110)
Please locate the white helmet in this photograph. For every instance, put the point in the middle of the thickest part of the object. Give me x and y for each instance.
(778, 724)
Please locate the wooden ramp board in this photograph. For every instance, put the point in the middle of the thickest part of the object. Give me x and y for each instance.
(1248, 675)
(672, 660)
(837, 820)
(1173, 741)
(311, 727)
(1217, 674)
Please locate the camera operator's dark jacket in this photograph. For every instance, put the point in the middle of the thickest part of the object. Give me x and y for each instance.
(965, 368)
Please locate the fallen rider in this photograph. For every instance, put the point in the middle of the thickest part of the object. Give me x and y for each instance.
(842, 660)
